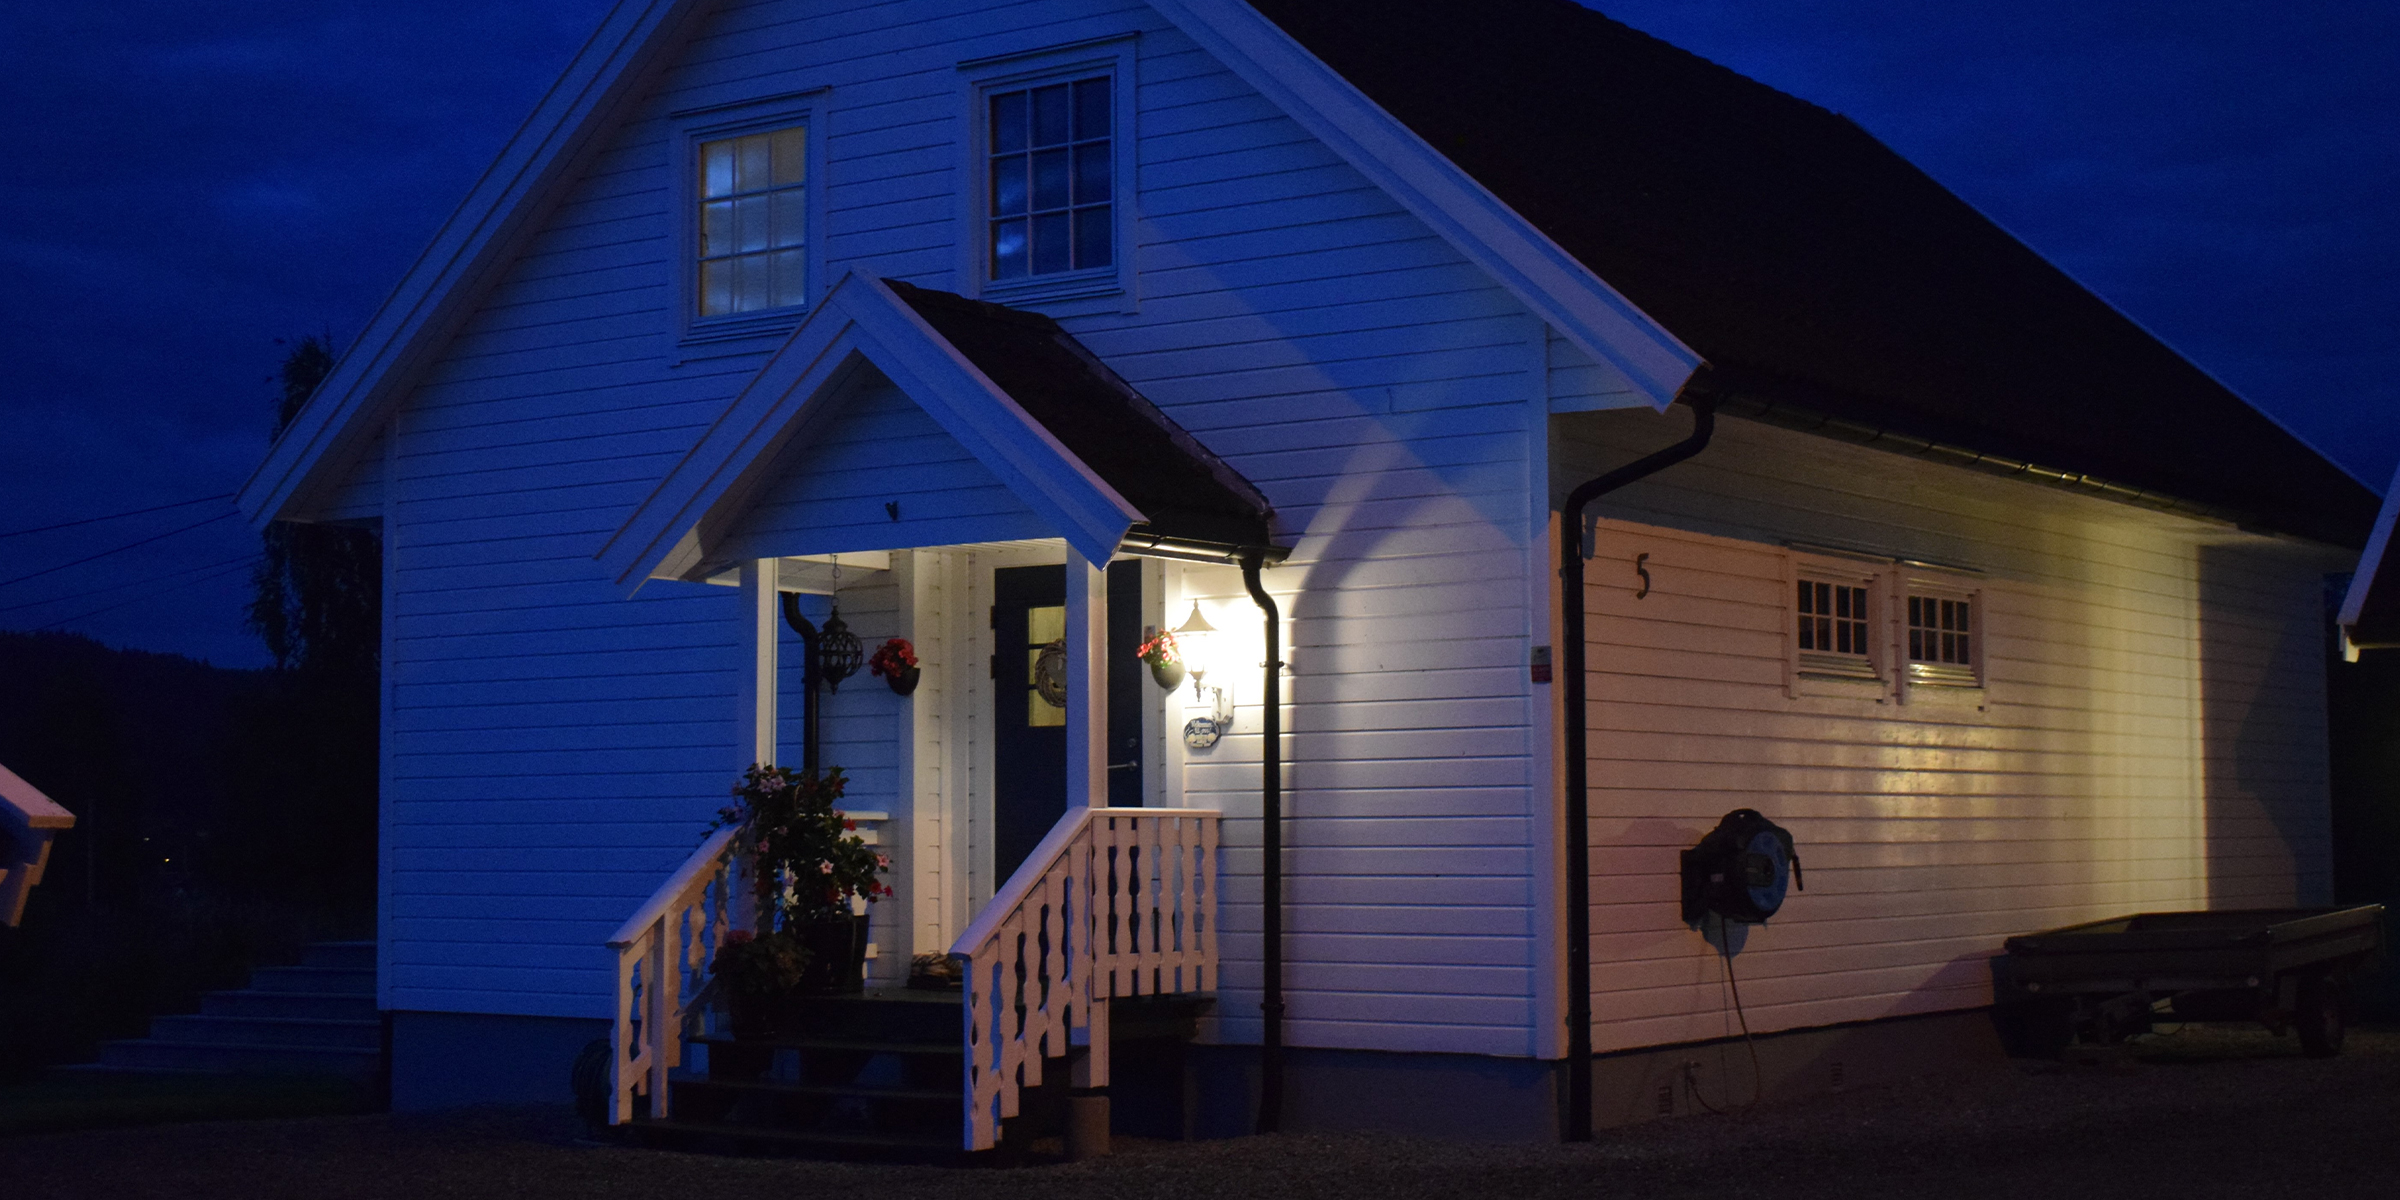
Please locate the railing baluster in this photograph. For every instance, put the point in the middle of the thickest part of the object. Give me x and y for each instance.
(1114, 902)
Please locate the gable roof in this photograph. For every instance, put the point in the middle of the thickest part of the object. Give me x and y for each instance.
(1187, 495)
(1098, 463)
(467, 255)
(1803, 259)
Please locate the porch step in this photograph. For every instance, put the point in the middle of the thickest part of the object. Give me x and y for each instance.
(316, 1018)
(876, 1075)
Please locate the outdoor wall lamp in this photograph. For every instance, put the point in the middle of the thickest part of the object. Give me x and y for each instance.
(1195, 640)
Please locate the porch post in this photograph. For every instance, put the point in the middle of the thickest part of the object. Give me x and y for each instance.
(754, 727)
(1087, 683)
(1087, 785)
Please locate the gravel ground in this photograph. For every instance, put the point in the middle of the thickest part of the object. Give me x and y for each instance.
(2206, 1114)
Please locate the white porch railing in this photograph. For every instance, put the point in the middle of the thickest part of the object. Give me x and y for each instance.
(663, 951)
(1114, 902)
(28, 820)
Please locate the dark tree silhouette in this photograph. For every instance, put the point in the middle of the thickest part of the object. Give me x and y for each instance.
(318, 591)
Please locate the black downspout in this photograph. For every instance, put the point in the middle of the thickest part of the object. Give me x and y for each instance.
(807, 630)
(1270, 1049)
(1579, 843)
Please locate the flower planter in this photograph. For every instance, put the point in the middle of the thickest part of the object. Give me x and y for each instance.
(1169, 675)
(837, 955)
(905, 681)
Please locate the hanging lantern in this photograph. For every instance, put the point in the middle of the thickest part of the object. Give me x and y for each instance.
(838, 653)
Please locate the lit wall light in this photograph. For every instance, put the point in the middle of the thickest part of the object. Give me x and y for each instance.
(1196, 640)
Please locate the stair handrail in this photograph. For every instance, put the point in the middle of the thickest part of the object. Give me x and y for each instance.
(1113, 902)
(663, 951)
(28, 821)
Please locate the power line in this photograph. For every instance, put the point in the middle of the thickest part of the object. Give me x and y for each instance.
(118, 587)
(117, 550)
(106, 608)
(114, 516)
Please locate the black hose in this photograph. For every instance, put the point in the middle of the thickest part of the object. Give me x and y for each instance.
(1270, 1050)
(1572, 657)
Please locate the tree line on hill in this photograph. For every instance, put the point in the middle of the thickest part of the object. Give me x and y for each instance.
(223, 817)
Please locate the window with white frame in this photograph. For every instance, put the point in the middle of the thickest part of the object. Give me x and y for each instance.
(1051, 179)
(752, 221)
(1941, 640)
(1834, 626)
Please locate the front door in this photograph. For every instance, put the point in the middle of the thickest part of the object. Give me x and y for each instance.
(1029, 742)
(1029, 732)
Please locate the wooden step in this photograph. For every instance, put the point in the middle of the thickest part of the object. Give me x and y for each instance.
(868, 1091)
(954, 1048)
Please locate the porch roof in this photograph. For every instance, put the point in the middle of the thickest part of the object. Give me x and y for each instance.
(1187, 494)
(1089, 457)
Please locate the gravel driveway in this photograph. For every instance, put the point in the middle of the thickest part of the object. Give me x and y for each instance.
(2208, 1114)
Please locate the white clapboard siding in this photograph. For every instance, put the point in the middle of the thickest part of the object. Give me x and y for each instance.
(830, 486)
(1329, 345)
(2150, 735)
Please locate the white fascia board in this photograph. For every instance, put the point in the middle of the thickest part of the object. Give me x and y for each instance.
(466, 255)
(1544, 277)
(2370, 560)
(860, 319)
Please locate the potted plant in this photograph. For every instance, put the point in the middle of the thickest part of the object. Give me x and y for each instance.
(807, 862)
(895, 662)
(756, 972)
(1166, 661)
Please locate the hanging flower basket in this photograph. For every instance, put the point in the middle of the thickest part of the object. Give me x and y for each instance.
(1166, 662)
(895, 662)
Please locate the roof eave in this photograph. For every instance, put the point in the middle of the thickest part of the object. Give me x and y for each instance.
(467, 254)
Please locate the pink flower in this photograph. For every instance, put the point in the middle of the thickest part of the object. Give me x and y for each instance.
(883, 862)
(825, 868)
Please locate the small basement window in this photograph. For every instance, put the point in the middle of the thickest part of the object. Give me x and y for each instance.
(1835, 629)
(1942, 641)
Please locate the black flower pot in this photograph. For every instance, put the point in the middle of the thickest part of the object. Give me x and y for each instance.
(906, 681)
(1168, 674)
(837, 955)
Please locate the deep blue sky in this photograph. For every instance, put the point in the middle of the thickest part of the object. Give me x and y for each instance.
(182, 184)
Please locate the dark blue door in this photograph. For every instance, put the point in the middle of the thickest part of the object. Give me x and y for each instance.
(1029, 732)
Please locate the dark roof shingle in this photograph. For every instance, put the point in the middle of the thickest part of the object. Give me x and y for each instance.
(1802, 257)
(1187, 493)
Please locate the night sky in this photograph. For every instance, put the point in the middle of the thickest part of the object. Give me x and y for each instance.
(183, 184)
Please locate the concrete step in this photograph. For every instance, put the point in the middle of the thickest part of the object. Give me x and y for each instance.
(354, 956)
(293, 1032)
(709, 1136)
(153, 1054)
(320, 1006)
(346, 981)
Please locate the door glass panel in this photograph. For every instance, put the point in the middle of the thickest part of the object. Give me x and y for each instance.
(1043, 626)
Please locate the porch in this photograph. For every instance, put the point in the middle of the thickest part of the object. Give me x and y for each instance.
(967, 479)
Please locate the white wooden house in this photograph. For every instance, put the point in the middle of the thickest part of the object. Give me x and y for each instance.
(884, 302)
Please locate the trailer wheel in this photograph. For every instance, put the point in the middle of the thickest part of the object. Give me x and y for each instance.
(2319, 1017)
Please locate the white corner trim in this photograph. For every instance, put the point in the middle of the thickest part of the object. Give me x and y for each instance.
(2370, 560)
(860, 319)
(466, 254)
(1543, 276)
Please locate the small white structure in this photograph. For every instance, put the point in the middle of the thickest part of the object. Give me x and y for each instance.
(1000, 329)
(28, 822)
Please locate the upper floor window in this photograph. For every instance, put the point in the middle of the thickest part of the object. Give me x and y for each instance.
(752, 192)
(1052, 179)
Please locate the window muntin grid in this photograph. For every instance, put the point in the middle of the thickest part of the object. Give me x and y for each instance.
(753, 245)
(1052, 180)
(1833, 618)
(1941, 639)
(1833, 623)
